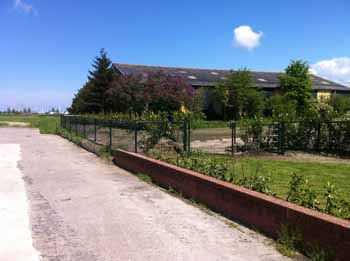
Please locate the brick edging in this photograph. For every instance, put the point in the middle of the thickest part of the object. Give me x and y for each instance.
(257, 210)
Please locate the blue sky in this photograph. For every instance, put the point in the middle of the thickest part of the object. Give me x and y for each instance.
(47, 46)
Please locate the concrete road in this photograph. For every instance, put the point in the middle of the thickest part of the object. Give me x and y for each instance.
(81, 208)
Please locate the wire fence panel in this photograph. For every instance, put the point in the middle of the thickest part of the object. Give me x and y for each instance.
(253, 136)
(212, 140)
(130, 135)
(331, 137)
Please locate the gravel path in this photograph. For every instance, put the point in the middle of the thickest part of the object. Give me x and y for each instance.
(84, 209)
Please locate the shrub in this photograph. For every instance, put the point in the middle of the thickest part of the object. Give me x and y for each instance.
(341, 104)
(208, 167)
(289, 240)
(335, 205)
(251, 133)
(282, 108)
(300, 193)
(257, 182)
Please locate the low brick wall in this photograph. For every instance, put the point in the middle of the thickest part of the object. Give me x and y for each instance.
(254, 209)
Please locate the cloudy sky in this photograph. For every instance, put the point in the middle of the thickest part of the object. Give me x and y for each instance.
(47, 46)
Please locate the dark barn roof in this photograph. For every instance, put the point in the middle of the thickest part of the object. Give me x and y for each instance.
(208, 77)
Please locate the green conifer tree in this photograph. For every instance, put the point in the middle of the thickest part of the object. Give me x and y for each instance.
(92, 98)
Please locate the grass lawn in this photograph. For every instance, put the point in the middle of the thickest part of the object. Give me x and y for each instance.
(281, 171)
(318, 174)
(46, 124)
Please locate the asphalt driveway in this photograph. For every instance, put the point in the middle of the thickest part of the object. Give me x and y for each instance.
(81, 208)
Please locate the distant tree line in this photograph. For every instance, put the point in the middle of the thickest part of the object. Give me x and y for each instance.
(27, 110)
(10, 110)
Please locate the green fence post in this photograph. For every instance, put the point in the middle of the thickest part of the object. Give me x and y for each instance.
(76, 128)
(318, 136)
(84, 128)
(185, 136)
(233, 137)
(188, 137)
(95, 130)
(282, 137)
(110, 137)
(136, 140)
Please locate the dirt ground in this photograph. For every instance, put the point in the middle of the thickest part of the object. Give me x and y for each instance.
(223, 145)
(14, 124)
(82, 208)
(301, 156)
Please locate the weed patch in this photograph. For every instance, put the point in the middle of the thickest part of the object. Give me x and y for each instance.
(289, 240)
(144, 178)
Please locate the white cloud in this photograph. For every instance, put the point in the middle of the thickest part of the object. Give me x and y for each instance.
(246, 38)
(24, 7)
(337, 69)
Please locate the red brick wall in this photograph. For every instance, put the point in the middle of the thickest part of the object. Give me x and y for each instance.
(257, 210)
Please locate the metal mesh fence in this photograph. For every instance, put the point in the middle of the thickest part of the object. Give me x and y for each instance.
(138, 136)
(331, 137)
(135, 136)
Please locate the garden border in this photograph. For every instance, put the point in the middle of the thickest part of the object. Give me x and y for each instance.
(259, 211)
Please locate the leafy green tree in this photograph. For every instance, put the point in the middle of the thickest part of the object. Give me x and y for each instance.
(254, 103)
(239, 96)
(296, 84)
(282, 108)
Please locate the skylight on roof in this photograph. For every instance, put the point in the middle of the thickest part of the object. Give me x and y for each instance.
(223, 78)
(182, 71)
(192, 77)
(262, 80)
(324, 82)
(214, 73)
